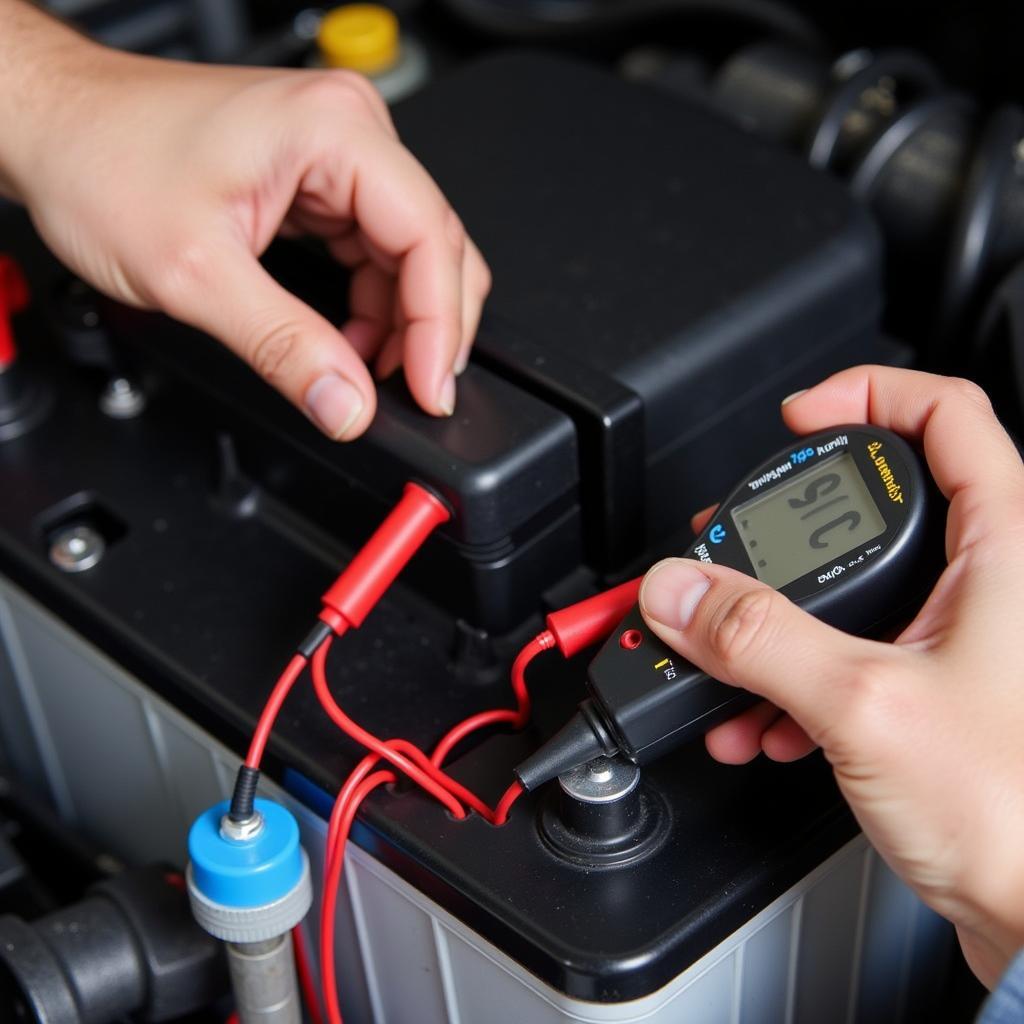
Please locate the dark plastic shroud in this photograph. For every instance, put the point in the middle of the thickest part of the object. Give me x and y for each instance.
(646, 319)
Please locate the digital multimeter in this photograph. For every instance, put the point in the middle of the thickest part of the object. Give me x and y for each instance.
(843, 523)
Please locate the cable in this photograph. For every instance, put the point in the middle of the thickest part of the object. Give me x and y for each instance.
(570, 629)
(510, 796)
(351, 796)
(345, 605)
(271, 710)
(478, 721)
(360, 783)
(429, 781)
(518, 718)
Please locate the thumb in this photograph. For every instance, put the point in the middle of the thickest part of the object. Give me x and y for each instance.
(227, 293)
(742, 632)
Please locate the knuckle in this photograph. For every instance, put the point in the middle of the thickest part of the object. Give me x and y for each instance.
(273, 351)
(182, 270)
(486, 280)
(334, 88)
(874, 702)
(742, 626)
(356, 88)
(455, 232)
(971, 394)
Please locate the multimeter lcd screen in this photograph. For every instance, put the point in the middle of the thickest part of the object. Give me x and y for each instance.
(822, 514)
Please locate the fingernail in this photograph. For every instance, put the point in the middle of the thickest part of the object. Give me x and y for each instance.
(461, 362)
(672, 591)
(334, 404)
(796, 394)
(446, 397)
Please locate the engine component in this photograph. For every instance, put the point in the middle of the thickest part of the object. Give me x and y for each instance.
(940, 177)
(129, 947)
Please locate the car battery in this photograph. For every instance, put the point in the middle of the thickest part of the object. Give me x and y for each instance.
(661, 282)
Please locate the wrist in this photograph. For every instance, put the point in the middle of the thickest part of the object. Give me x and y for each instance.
(996, 919)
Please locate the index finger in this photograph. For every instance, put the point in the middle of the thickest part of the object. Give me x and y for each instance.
(975, 464)
(373, 179)
(403, 213)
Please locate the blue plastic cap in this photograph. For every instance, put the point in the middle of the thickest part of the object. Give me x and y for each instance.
(252, 872)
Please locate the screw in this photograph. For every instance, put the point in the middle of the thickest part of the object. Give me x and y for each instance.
(77, 548)
(122, 399)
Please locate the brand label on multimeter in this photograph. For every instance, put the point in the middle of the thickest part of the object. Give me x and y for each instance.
(892, 487)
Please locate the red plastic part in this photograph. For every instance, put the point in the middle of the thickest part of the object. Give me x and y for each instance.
(590, 621)
(14, 298)
(354, 593)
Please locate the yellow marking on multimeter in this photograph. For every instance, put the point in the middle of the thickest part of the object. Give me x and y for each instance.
(662, 663)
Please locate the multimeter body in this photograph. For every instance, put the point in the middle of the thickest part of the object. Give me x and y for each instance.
(839, 524)
(844, 523)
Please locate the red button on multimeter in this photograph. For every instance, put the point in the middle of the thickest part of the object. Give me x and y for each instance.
(844, 523)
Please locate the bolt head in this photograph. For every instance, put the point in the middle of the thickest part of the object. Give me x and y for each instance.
(77, 548)
(122, 399)
(241, 831)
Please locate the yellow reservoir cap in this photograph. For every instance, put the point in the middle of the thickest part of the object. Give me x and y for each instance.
(361, 37)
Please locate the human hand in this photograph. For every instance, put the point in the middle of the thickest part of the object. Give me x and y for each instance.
(925, 734)
(161, 183)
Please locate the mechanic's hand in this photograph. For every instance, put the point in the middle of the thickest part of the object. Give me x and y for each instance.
(926, 735)
(161, 183)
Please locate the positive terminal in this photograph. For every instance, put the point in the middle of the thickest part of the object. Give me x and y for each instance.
(602, 780)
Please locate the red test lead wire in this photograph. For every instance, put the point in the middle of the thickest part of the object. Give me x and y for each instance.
(346, 603)
(271, 710)
(570, 629)
(350, 598)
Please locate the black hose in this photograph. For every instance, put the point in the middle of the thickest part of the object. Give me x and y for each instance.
(243, 799)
